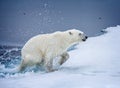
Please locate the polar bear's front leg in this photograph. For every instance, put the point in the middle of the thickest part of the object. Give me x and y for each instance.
(49, 65)
(63, 58)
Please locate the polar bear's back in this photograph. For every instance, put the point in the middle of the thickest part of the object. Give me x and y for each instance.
(36, 42)
(41, 44)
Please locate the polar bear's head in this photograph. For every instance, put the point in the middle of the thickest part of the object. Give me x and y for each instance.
(76, 36)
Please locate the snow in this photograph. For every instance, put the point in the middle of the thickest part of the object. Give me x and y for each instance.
(93, 64)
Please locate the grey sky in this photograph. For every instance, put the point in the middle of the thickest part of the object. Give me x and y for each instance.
(22, 19)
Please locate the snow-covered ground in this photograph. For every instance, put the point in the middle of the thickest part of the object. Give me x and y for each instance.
(93, 64)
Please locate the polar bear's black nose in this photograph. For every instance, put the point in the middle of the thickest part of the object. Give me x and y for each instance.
(86, 37)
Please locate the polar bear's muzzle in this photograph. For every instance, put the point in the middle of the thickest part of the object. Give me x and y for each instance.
(84, 38)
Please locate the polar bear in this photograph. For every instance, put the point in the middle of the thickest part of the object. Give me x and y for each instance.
(44, 48)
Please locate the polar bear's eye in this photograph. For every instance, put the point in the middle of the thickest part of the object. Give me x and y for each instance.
(70, 33)
(80, 34)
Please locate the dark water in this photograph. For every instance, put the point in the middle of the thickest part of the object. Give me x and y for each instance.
(10, 56)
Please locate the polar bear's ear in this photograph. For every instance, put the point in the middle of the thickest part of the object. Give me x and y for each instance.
(70, 33)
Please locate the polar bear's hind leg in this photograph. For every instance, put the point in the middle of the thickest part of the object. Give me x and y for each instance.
(29, 60)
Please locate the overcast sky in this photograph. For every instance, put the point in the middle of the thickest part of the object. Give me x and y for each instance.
(22, 19)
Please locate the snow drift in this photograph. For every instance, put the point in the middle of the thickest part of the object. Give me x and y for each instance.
(93, 64)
